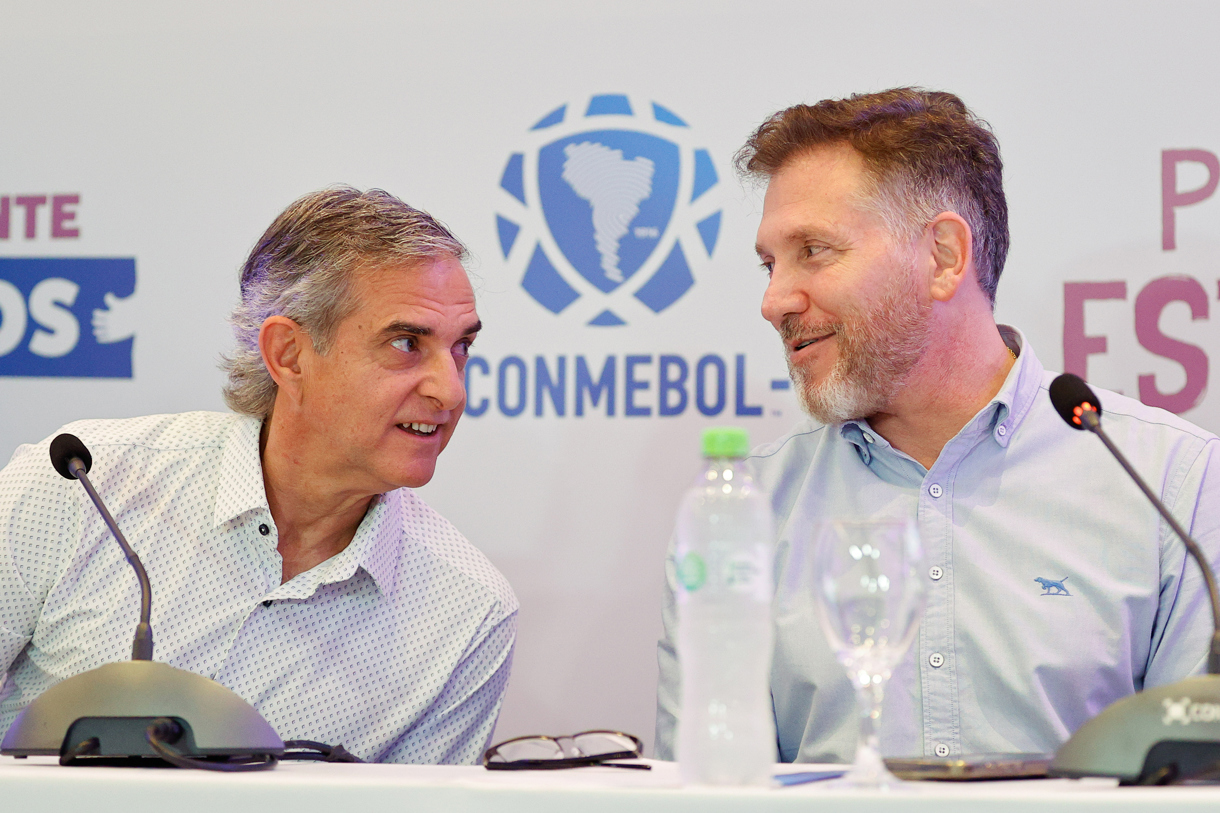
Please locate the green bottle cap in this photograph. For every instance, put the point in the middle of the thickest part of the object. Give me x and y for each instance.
(726, 441)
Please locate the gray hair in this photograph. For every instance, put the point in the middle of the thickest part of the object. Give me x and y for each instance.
(304, 267)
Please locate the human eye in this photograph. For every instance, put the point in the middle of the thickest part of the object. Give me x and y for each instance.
(813, 251)
(768, 266)
(406, 344)
(462, 348)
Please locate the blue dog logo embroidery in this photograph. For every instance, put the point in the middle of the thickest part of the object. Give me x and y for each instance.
(1053, 588)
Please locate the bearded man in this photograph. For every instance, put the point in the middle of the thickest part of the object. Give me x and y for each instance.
(883, 234)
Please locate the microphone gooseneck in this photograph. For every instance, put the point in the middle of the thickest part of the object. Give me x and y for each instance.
(130, 711)
(1079, 407)
(71, 459)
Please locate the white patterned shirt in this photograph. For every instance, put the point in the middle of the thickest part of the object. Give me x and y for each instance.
(398, 647)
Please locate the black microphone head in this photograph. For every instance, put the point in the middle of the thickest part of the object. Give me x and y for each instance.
(65, 447)
(1071, 396)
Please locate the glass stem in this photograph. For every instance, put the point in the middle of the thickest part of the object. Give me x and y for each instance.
(869, 766)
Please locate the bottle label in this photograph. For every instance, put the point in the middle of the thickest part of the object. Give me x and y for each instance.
(692, 572)
(741, 573)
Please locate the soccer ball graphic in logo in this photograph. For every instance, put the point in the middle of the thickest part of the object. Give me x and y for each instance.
(606, 209)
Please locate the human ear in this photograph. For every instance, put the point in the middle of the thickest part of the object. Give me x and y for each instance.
(281, 342)
(952, 244)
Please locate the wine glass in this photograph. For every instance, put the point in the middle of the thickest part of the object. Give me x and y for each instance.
(870, 599)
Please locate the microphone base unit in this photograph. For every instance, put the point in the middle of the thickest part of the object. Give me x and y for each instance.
(1159, 736)
(102, 715)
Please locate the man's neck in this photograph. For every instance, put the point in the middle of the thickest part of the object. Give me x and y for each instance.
(312, 521)
(958, 376)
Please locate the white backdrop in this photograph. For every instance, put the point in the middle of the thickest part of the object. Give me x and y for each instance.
(171, 135)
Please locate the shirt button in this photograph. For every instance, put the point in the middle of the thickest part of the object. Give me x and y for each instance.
(935, 572)
(263, 529)
(935, 490)
(936, 659)
(942, 750)
(868, 438)
(1003, 430)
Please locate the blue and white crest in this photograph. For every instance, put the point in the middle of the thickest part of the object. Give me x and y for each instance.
(606, 211)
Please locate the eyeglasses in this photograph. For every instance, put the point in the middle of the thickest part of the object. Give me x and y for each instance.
(543, 753)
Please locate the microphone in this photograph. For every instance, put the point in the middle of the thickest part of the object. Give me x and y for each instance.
(73, 461)
(139, 711)
(1077, 404)
(1072, 398)
(1159, 735)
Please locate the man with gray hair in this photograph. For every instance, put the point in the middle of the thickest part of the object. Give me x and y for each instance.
(884, 231)
(289, 558)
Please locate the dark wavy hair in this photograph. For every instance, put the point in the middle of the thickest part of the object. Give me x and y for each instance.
(924, 152)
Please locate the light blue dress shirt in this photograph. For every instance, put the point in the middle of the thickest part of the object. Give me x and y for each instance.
(1000, 664)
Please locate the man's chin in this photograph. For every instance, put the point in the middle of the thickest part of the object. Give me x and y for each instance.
(410, 461)
(407, 473)
(417, 478)
(834, 400)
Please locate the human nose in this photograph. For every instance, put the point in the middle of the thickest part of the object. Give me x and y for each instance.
(445, 383)
(782, 297)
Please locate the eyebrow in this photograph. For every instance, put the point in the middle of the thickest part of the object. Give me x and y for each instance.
(396, 328)
(802, 235)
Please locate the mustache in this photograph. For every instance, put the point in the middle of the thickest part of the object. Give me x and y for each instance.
(793, 328)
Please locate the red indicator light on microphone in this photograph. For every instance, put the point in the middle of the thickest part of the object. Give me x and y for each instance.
(1080, 410)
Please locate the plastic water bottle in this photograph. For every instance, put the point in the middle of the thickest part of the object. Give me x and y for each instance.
(723, 554)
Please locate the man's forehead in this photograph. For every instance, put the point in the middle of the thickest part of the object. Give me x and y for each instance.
(434, 293)
(810, 194)
(829, 172)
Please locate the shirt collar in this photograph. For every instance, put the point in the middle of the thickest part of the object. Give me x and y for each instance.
(373, 549)
(1002, 415)
(378, 538)
(861, 435)
(1019, 391)
(241, 482)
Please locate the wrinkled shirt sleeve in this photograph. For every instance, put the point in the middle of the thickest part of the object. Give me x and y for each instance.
(1184, 624)
(459, 726)
(669, 675)
(37, 515)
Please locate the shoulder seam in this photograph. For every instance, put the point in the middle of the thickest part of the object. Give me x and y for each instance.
(780, 447)
(1206, 437)
(498, 586)
(222, 419)
(219, 444)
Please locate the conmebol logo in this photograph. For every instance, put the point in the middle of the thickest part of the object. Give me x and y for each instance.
(606, 209)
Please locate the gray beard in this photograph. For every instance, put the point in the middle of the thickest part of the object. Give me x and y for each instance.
(877, 348)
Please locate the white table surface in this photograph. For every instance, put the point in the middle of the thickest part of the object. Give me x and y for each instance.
(38, 784)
